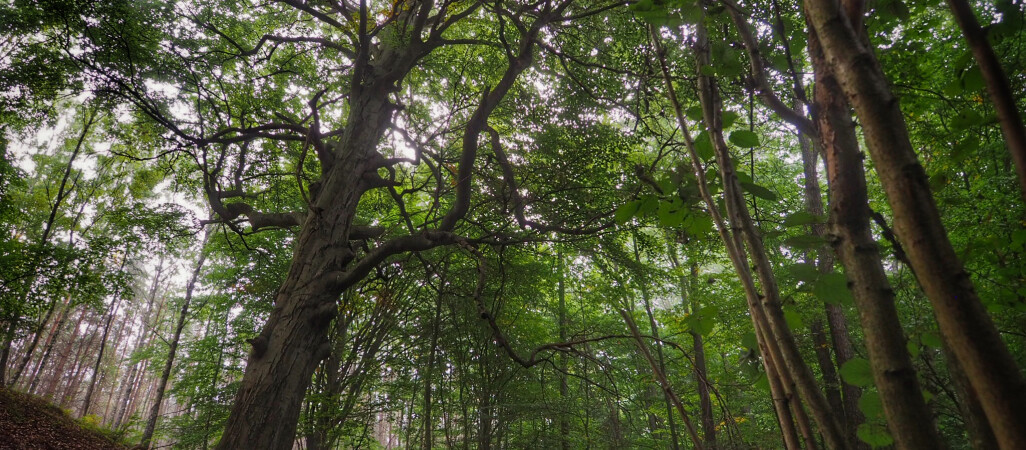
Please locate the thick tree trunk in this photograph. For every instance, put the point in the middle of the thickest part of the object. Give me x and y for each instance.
(266, 409)
(961, 317)
(893, 373)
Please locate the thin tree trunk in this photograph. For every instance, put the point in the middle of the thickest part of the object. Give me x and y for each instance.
(661, 379)
(961, 317)
(981, 437)
(654, 329)
(51, 341)
(760, 310)
(87, 402)
(429, 424)
(998, 86)
(58, 371)
(564, 422)
(843, 348)
(737, 210)
(165, 375)
(700, 371)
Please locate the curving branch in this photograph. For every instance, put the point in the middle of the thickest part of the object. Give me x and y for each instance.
(762, 85)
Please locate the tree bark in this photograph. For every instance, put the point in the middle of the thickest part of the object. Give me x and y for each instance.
(961, 317)
(294, 339)
(789, 355)
(843, 348)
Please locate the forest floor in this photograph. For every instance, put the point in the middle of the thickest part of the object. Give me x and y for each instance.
(28, 422)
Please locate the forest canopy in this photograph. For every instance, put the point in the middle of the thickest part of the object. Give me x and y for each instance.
(708, 224)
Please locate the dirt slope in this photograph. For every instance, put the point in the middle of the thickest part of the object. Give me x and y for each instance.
(30, 423)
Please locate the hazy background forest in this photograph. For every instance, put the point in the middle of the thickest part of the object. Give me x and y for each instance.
(713, 224)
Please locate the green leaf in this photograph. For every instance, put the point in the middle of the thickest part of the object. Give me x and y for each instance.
(874, 435)
(695, 113)
(793, 318)
(856, 372)
(728, 119)
(832, 288)
(972, 79)
(626, 212)
(744, 139)
(805, 242)
(806, 272)
(670, 215)
(759, 191)
(913, 349)
(965, 148)
(749, 341)
(870, 404)
(703, 320)
(699, 224)
(965, 119)
(930, 339)
(703, 146)
(802, 218)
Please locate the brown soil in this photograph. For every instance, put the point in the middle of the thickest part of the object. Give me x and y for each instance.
(28, 422)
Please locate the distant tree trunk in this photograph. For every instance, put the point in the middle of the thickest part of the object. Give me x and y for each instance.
(137, 371)
(29, 351)
(80, 362)
(87, 401)
(51, 341)
(654, 329)
(429, 424)
(698, 346)
(981, 436)
(998, 86)
(165, 375)
(961, 317)
(69, 346)
(660, 377)
(564, 389)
